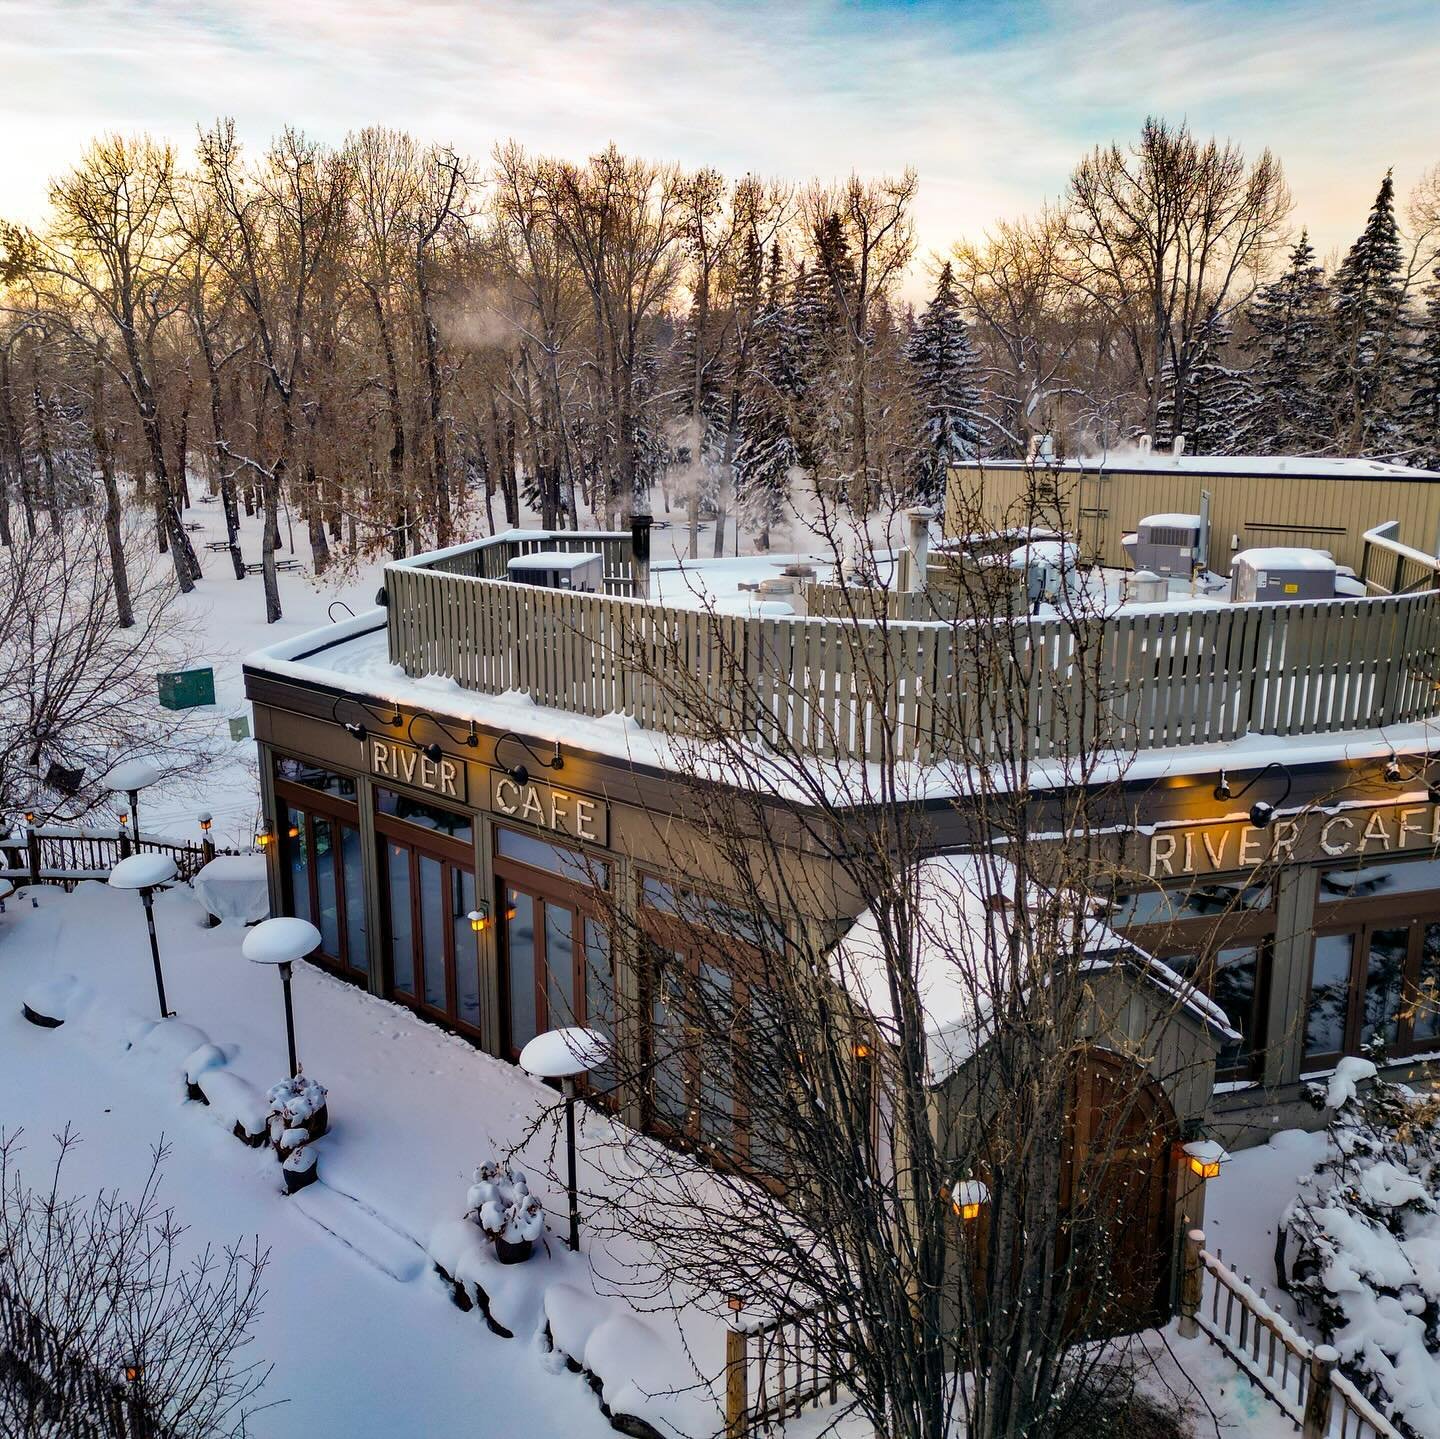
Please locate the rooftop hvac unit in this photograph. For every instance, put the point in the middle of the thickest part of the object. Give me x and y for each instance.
(1165, 544)
(556, 570)
(1281, 574)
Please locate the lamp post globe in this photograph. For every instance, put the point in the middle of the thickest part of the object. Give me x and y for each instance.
(566, 1054)
(280, 942)
(145, 873)
(129, 777)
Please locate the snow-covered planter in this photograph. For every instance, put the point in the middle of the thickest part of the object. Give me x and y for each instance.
(1364, 1236)
(299, 1113)
(500, 1202)
(300, 1169)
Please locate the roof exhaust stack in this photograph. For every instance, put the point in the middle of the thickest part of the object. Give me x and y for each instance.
(640, 556)
(1144, 444)
(1177, 447)
(919, 545)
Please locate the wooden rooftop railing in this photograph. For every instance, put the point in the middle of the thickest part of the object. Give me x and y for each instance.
(846, 688)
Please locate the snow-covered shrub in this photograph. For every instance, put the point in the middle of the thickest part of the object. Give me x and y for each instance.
(298, 1103)
(500, 1202)
(1365, 1238)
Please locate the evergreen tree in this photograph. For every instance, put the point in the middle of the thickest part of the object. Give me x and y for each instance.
(1284, 411)
(947, 391)
(766, 454)
(1366, 339)
(1212, 413)
(1420, 418)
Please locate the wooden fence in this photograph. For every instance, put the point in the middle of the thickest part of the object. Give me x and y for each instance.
(63, 854)
(1159, 679)
(775, 1370)
(489, 559)
(1388, 567)
(1302, 1379)
(67, 1392)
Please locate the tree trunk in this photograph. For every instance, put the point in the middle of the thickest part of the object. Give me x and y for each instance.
(119, 575)
(42, 443)
(17, 446)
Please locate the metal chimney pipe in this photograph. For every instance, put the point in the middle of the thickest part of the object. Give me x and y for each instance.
(919, 544)
(640, 556)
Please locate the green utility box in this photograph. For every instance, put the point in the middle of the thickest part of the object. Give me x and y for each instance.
(184, 689)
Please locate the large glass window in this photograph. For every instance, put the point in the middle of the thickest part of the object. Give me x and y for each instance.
(402, 944)
(312, 776)
(324, 883)
(1219, 935)
(1378, 881)
(427, 816)
(1153, 905)
(571, 865)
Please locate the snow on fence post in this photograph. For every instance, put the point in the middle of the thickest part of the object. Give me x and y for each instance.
(1320, 1398)
(1192, 1280)
(737, 1398)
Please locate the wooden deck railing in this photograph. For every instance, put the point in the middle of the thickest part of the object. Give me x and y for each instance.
(1301, 1378)
(489, 559)
(775, 1370)
(1388, 567)
(835, 687)
(63, 854)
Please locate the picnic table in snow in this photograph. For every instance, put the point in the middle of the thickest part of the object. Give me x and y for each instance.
(233, 886)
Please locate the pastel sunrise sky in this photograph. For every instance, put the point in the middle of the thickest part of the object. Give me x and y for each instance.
(992, 102)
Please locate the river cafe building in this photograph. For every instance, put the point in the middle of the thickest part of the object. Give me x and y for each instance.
(474, 747)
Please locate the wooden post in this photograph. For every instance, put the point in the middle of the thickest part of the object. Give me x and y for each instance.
(1322, 1392)
(1192, 1277)
(32, 852)
(737, 1398)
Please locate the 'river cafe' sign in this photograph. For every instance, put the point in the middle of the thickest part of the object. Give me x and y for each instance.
(546, 806)
(1311, 836)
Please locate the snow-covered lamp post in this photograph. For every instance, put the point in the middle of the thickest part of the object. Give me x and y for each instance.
(565, 1054)
(281, 942)
(128, 778)
(146, 872)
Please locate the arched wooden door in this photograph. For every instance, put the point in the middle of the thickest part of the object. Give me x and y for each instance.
(1118, 1195)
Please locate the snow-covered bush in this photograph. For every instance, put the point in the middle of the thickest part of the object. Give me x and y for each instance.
(1365, 1238)
(500, 1202)
(299, 1112)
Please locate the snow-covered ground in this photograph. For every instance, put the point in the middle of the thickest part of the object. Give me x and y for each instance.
(361, 1331)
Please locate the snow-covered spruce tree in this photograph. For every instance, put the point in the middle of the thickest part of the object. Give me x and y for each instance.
(1420, 417)
(945, 378)
(1285, 412)
(1367, 335)
(765, 456)
(1362, 1236)
(1213, 401)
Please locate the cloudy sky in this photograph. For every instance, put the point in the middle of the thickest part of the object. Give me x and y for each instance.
(991, 100)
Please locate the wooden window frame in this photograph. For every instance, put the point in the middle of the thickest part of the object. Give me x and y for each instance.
(741, 962)
(451, 855)
(548, 889)
(1204, 938)
(338, 812)
(1359, 919)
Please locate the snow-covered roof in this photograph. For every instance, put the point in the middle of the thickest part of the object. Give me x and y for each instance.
(554, 560)
(1283, 557)
(962, 957)
(1141, 461)
(1174, 521)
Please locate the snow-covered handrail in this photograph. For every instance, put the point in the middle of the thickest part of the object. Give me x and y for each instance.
(1300, 1378)
(1413, 569)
